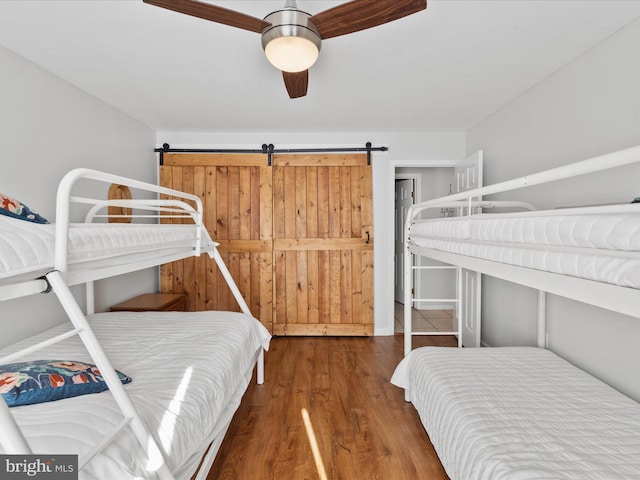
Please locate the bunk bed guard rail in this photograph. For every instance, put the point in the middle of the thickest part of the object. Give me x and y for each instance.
(165, 208)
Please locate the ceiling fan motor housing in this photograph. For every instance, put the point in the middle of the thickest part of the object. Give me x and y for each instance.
(292, 41)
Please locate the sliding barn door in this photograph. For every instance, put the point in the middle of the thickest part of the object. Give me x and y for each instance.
(237, 197)
(297, 238)
(323, 245)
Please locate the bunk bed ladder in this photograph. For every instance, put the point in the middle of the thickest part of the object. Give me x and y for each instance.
(12, 436)
(455, 301)
(411, 301)
(131, 418)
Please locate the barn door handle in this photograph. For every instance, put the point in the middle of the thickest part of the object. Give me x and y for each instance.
(368, 237)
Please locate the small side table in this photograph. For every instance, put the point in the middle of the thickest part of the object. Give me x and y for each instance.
(152, 302)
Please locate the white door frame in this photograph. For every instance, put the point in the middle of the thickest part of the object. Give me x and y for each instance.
(417, 182)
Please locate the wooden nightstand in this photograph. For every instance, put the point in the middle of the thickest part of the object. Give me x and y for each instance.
(152, 302)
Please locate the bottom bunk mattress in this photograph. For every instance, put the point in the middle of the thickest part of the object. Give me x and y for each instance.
(520, 413)
(188, 371)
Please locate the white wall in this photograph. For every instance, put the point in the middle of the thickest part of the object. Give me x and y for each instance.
(589, 107)
(48, 128)
(405, 149)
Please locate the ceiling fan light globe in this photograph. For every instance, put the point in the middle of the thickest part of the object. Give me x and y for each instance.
(291, 42)
(291, 54)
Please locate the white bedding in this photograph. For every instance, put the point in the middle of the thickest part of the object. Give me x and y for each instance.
(27, 247)
(520, 413)
(597, 247)
(187, 368)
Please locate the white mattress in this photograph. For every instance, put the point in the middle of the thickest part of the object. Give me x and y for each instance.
(186, 369)
(597, 247)
(520, 413)
(29, 247)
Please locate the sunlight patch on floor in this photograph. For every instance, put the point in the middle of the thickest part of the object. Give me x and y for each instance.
(322, 474)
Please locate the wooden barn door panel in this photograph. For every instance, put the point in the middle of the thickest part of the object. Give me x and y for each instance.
(323, 245)
(236, 191)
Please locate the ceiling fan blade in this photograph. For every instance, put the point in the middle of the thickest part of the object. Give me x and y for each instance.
(296, 83)
(362, 14)
(210, 12)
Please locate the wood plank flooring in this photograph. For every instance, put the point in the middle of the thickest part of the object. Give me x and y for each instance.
(359, 421)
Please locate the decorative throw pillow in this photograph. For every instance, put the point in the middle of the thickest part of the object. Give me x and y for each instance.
(13, 208)
(46, 380)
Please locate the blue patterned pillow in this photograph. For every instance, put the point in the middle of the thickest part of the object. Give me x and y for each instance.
(13, 208)
(46, 380)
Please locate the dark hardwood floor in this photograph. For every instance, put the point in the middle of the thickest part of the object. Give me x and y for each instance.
(339, 388)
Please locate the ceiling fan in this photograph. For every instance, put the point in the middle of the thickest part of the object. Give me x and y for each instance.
(291, 38)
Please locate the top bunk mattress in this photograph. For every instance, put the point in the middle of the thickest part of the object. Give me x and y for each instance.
(600, 247)
(520, 413)
(27, 247)
(186, 368)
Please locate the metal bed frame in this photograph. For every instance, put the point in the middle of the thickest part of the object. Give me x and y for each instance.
(611, 297)
(64, 275)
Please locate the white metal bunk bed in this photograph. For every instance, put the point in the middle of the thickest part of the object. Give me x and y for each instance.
(189, 370)
(523, 412)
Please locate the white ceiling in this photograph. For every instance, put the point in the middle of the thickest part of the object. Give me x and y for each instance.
(443, 69)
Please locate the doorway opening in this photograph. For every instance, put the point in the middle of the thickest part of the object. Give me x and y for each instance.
(415, 185)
